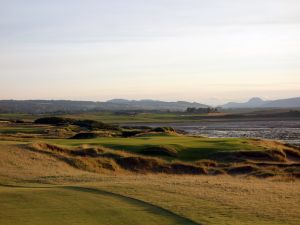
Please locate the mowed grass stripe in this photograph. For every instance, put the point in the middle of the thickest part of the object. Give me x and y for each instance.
(78, 205)
(188, 148)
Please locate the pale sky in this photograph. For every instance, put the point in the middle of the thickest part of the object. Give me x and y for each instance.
(197, 50)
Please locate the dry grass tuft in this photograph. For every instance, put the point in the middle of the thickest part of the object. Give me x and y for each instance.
(242, 169)
(273, 162)
(160, 151)
(295, 153)
(98, 159)
(48, 147)
(83, 158)
(206, 163)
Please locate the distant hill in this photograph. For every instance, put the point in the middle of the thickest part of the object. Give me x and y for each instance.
(51, 106)
(156, 105)
(259, 103)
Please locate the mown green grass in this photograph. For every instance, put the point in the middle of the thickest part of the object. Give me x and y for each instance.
(217, 200)
(17, 116)
(162, 117)
(114, 118)
(204, 199)
(188, 148)
(109, 117)
(75, 205)
(21, 129)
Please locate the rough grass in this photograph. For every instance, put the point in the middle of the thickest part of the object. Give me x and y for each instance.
(160, 151)
(85, 135)
(186, 148)
(83, 158)
(203, 199)
(17, 163)
(166, 150)
(96, 159)
(216, 200)
(155, 199)
(189, 148)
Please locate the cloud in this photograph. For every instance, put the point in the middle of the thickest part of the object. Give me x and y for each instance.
(175, 48)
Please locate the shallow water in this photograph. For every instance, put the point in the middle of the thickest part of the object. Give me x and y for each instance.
(282, 130)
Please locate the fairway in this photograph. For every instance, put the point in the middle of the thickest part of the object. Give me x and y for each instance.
(73, 195)
(158, 176)
(188, 148)
(77, 205)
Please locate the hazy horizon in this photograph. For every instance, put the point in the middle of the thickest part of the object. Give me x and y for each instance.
(210, 52)
(213, 102)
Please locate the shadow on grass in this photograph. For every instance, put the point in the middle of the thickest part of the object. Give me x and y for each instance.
(151, 208)
(154, 209)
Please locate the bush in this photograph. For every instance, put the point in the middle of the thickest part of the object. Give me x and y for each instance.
(164, 129)
(160, 151)
(137, 127)
(130, 133)
(92, 152)
(242, 169)
(185, 168)
(19, 121)
(85, 135)
(54, 121)
(87, 124)
(91, 125)
(206, 163)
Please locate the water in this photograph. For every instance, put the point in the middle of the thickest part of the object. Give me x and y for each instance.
(283, 130)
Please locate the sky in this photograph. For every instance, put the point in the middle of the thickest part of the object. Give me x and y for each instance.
(197, 50)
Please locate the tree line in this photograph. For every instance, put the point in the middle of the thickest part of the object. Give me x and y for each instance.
(202, 110)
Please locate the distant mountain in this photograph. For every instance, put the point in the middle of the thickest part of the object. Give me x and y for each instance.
(283, 103)
(52, 106)
(259, 103)
(252, 103)
(148, 104)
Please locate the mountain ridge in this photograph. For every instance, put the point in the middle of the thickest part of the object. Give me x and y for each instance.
(257, 102)
(50, 106)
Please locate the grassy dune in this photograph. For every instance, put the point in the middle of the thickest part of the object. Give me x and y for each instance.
(48, 178)
(189, 148)
(171, 154)
(65, 195)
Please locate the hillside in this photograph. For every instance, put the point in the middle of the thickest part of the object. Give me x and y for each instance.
(50, 106)
(259, 103)
(142, 176)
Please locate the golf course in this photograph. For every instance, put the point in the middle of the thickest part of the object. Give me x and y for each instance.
(61, 170)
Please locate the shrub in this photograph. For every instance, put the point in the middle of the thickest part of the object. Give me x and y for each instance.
(206, 163)
(160, 151)
(130, 133)
(87, 124)
(164, 129)
(242, 169)
(185, 168)
(84, 135)
(54, 121)
(292, 152)
(92, 152)
(91, 125)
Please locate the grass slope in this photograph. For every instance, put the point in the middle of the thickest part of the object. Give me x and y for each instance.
(76, 205)
(220, 200)
(206, 200)
(188, 148)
